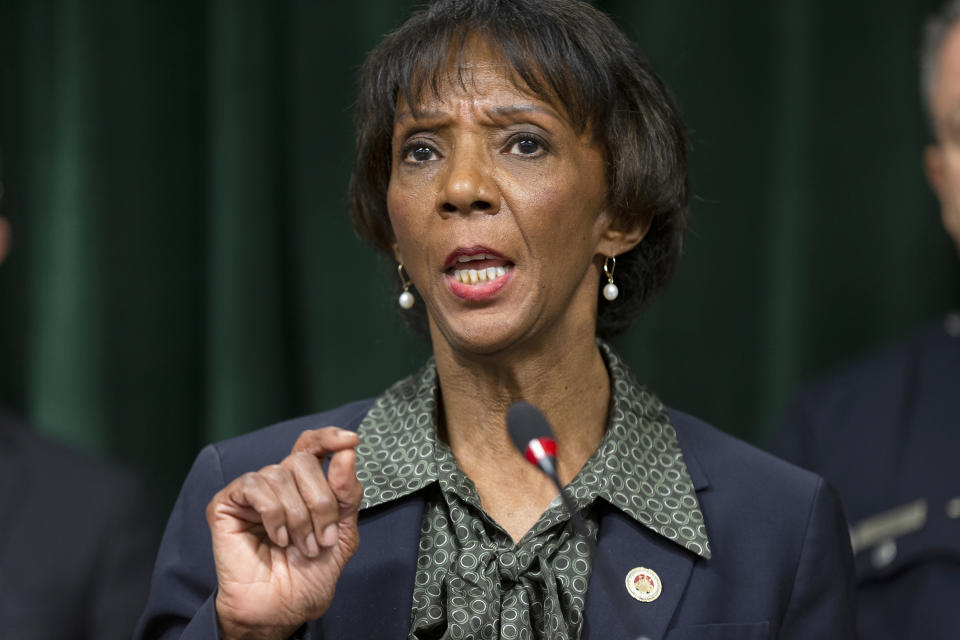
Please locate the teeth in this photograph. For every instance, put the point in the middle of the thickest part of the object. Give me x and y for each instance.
(473, 276)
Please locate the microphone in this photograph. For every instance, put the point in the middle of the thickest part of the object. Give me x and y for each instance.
(532, 436)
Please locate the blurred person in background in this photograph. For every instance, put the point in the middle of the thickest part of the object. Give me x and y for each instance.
(885, 430)
(78, 537)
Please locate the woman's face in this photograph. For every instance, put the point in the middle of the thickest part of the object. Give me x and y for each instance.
(497, 205)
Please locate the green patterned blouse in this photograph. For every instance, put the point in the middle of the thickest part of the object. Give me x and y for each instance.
(471, 580)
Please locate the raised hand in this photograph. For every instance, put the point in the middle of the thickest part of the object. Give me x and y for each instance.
(282, 535)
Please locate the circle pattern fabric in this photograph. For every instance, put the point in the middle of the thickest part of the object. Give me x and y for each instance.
(471, 580)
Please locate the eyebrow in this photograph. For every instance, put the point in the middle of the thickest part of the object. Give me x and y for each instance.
(504, 110)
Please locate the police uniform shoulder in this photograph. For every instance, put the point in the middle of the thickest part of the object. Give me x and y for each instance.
(864, 377)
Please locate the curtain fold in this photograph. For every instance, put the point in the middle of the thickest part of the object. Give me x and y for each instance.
(246, 373)
(67, 388)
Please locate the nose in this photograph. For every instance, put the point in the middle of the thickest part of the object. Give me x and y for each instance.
(468, 184)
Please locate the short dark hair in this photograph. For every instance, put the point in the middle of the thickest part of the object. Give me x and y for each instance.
(566, 52)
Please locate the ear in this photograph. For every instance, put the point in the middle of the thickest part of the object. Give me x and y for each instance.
(4, 238)
(933, 165)
(617, 239)
(396, 252)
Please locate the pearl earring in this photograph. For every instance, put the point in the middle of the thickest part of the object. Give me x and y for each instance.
(406, 298)
(610, 290)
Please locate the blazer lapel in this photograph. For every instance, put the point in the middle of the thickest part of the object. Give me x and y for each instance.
(375, 593)
(623, 543)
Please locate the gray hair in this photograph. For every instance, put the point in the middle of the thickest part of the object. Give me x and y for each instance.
(934, 33)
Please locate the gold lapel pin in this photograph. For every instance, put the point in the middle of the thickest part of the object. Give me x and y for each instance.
(644, 584)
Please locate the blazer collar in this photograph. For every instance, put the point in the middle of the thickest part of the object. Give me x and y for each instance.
(611, 612)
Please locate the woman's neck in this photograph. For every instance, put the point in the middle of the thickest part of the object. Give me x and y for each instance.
(568, 383)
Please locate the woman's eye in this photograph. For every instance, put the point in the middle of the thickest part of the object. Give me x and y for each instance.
(419, 153)
(526, 147)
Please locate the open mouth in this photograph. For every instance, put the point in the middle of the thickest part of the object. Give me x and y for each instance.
(477, 273)
(481, 267)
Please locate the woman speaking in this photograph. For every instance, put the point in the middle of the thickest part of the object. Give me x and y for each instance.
(527, 171)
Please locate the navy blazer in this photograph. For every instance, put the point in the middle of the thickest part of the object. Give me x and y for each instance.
(781, 565)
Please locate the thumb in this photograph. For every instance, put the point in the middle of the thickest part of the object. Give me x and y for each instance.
(342, 478)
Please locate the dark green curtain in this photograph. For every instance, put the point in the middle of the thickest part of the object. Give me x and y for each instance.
(183, 270)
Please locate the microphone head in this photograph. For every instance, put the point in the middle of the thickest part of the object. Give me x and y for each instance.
(525, 423)
(533, 437)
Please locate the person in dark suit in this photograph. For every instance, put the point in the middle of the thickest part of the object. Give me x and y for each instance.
(78, 538)
(77, 544)
(885, 430)
(527, 170)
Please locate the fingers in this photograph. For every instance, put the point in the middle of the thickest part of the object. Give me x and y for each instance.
(252, 492)
(341, 480)
(295, 501)
(318, 498)
(321, 442)
(297, 516)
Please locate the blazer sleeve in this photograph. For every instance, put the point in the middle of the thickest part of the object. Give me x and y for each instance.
(181, 601)
(821, 603)
(180, 604)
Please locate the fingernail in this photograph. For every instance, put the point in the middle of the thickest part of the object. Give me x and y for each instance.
(283, 538)
(313, 549)
(330, 536)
